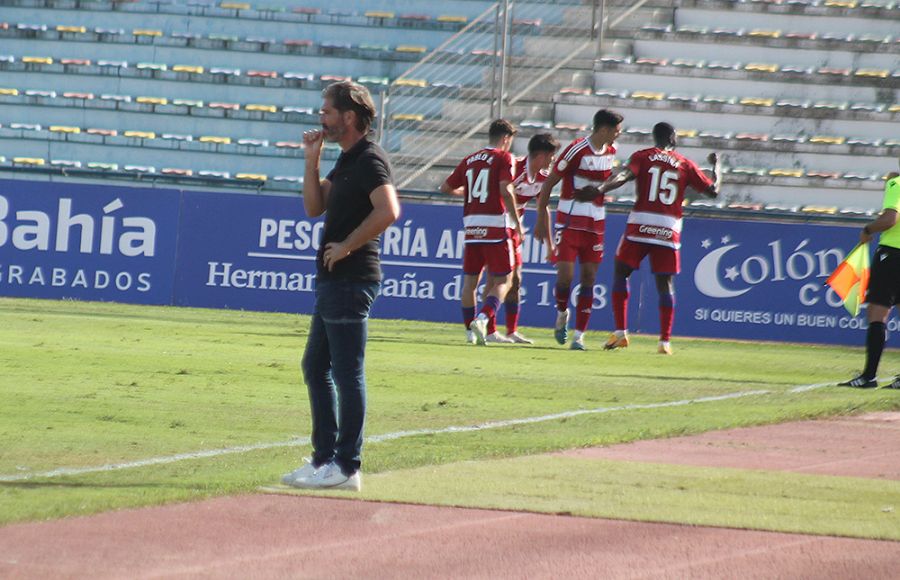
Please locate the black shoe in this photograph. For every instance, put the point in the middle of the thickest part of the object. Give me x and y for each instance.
(860, 382)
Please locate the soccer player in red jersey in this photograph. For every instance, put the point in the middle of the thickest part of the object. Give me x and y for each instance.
(582, 166)
(654, 226)
(531, 172)
(485, 179)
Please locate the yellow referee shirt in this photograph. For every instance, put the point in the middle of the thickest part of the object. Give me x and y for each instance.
(891, 237)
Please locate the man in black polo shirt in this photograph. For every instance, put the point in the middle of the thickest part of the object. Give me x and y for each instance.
(359, 203)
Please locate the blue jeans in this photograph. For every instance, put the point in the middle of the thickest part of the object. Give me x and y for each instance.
(335, 357)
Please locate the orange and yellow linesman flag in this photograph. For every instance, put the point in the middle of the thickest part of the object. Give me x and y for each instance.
(851, 278)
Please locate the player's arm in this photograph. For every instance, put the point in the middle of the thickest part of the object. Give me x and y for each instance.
(885, 221)
(446, 188)
(620, 178)
(385, 211)
(713, 190)
(542, 225)
(509, 200)
(315, 189)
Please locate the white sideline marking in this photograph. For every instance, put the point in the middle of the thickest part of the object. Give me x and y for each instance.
(301, 441)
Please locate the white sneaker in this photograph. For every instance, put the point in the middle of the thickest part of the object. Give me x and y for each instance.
(479, 327)
(470, 337)
(305, 471)
(497, 337)
(330, 476)
(518, 338)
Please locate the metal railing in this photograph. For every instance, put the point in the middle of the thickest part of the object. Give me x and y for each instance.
(507, 62)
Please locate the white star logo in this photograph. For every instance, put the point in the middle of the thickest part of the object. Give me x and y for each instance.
(725, 239)
(731, 273)
(706, 244)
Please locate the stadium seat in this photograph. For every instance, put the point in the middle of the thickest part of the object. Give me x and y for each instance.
(761, 67)
(824, 174)
(139, 168)
(261, 108)
(65, 163)
(289, 144)
(215, 139)
(751, 137)
(379, 14)
(299, 76)
(151, 66)
(288, 178)
(218, 70)
(827, 140)
(298, 42)
(176, 137)
(268, 74)
(452, 19)
(409, 48)
(366, 80)
(73, 29)
(75, 61)
(186, 68)
(118, 98)
(402, 82)
(762, 33)
(37, 60)
(9, 92)
(215, 174)
(756, 102)
(822, 209)
(152, 100)
(227, 106)
(38, 93)
(648, 95)
(103, 166)
(235, 6)
(64, 129)
(112, 63)
(29, 161)
(791, 172)
(408, 117)
(25, 126)
(146, 32)
(102, 132)
(253, 142)
(251, 176)
(176, 171)
(334, 78)
(293, 109)
(187, 102)
(872, 73)
(139, 134)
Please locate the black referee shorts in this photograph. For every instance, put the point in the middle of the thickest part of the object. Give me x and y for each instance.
(884, 284)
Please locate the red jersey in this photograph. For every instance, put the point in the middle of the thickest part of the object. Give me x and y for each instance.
(527, 186)
(662, 177)
(480, 174)
(581, 165)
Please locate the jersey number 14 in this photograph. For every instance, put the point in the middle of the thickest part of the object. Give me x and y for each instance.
(664, 186)
(478, 187)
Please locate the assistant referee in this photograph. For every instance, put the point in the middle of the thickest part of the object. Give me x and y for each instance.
(884, 284)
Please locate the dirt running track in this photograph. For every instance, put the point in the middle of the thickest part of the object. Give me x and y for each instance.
(270, 536)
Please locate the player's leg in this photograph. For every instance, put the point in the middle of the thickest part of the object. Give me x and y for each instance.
(566, 254)
(472, 266)
(499, 262)
(665, 264)
(880, 297)
(585, 302)
(620, 293)
(511, 305)
(665, 286)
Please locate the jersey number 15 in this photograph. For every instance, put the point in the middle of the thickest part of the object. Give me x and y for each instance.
(478, 187)
(664, 186)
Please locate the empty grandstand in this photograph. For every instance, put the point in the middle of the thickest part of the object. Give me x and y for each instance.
(800, 96)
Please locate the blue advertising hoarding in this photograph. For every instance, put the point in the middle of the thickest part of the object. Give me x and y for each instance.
(84, 242)
(740, 279)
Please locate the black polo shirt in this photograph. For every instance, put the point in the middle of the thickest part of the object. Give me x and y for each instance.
(358, 172)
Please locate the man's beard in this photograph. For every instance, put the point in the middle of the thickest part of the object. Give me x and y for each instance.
(333, 134)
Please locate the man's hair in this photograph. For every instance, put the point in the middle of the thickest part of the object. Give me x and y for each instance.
(349, 96)
(663, 134)
(542, 143)
(607, 118)
(499, 129)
